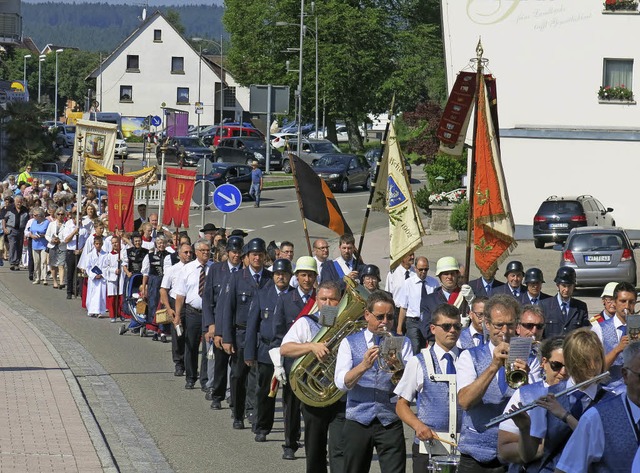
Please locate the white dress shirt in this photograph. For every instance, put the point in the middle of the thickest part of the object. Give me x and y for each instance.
(395, 280)
(586, 444)
(300, 332)
(473, 332)
(344, 362)
(170, 277)
(188, 283)
(509, 425)
(412, 381)
(411, 294)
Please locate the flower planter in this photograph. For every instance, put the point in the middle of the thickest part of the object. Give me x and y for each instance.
(440, 218)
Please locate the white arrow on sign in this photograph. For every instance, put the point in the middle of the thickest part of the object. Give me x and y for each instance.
(231, 201)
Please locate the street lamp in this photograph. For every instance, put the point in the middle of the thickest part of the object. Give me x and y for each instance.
(42, 58)
(199, 76)
(24, 73)
(55, 109)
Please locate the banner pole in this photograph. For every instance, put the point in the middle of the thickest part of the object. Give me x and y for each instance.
(472, 166)
(161, 197)
(304, 220)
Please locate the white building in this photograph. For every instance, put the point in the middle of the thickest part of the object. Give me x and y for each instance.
(155, 67)
(550, 58)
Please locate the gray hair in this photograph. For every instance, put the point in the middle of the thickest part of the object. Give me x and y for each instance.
(202, 242)
(505, 301)
(534, 309)
(161, 238)
(629, 353)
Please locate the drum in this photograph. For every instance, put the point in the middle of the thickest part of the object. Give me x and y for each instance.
(447, 464)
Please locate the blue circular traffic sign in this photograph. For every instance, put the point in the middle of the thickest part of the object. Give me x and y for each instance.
(227, 198)
(156, 120)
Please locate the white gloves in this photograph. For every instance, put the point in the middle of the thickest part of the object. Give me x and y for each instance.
(278, 369)
(467, 293)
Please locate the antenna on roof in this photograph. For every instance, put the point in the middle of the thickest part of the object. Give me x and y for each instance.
(144, 12)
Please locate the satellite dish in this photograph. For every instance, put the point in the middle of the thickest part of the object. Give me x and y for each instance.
(144, 14)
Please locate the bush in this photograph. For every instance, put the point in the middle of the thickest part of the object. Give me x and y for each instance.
(422, 198)
(460, 216)
(450, 168)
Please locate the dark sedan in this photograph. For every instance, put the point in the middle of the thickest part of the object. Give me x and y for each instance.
(229, 173)
(188, 149)
(343, 171)
(373, 155)
(245, 150)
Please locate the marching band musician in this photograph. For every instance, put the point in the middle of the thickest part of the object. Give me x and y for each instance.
(483, 391)
(554, 371)
(544, 431)
(613, 332)
(371, 419)
(258, 338)
(473, 335)
(319, 422)
(608, 435)
(423, 379)
(288, 308)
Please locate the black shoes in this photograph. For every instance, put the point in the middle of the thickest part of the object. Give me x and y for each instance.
(190, 385)
(69, 296)
(179, 371)
(288, 454)
(238, 424)
(209, 394)
(261, 438)
(216, 404)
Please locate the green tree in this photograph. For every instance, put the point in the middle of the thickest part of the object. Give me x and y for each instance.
(26, 144)
(173, 17)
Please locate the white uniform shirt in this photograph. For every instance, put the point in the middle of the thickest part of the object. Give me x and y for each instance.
(411, 294)
(586, 444)
(509, 425)
(412, 381)
(67, 229)
(344, 362)
(395, 280)
(188, 283)
(472, 331)
(300, 332)
(170, 277)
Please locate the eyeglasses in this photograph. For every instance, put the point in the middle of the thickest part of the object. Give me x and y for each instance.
(480, 315)
(556, 365)
(381, 317)
(420, 270)
(531, 326)
(503, 324)
(447, 327)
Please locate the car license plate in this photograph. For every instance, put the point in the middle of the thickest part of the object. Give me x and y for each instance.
(558, 225)
(597, 258)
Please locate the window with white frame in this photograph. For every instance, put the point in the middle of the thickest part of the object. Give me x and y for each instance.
(177, 65)
(230, 97)
(183, 95)
(126, 93)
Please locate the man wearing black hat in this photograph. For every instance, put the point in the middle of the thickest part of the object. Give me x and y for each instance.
(563, 313)
(260, 333)
(240, 290)
(533, 280)
(514, 274)
(212, 323)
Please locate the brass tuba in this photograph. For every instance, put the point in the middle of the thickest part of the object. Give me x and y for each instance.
(312, 380)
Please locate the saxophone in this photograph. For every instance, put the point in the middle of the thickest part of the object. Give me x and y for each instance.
(311, 380)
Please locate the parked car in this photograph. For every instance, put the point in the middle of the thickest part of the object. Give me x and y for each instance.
(341, 134)
(187, 149)
(557, 216)
(343, 171)
(245, 150)
(50, 125)
(292, 127)
(229, 173)
(374, 154)
(66, 135)
(600, 255)
(230, 130)
(122, 151)
(312, 150)
(278, 140)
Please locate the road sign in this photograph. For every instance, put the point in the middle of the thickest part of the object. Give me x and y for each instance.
(156, 120)
(259, 95)
(199, 107)
(227, 198)
(209, 187)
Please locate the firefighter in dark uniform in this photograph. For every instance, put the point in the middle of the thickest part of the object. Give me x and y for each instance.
(216, 280)
(259, 336)
(288, 308)
(242, 287)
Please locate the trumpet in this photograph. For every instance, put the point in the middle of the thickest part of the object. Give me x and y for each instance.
(389, 358)
(528, 407)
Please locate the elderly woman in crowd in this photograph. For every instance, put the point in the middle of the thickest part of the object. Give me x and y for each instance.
(37, 232)
(57, 249)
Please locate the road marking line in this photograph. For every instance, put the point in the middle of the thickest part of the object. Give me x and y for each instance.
(290, 221)
(268, 226)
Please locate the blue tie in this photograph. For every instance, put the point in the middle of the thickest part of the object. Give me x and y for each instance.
(480, 338)
(623, 330)
(516, 293)
(534, 301)
(305, 298)
(257, 278)
(502, 380)
(451, 368)
(577, 409)
(487, 289)
(564, 309)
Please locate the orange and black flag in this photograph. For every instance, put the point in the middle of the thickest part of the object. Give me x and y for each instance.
(318, 203)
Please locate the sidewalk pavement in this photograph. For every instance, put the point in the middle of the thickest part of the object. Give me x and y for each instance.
(41, 425)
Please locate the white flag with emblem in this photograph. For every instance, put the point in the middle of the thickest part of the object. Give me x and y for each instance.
(393, 194)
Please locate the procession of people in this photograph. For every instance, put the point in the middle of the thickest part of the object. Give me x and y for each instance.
(241, 314)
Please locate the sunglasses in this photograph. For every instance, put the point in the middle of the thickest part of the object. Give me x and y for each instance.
(556, 365)
(531, 326)
(503, 324)
(447, 327)
(381, 317)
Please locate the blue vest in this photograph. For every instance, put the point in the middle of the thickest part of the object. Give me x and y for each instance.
(475, 439)
(610, 341)
(466, 339)
(620, 443)
(314, 325)
(433, 400)
(371, 397)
